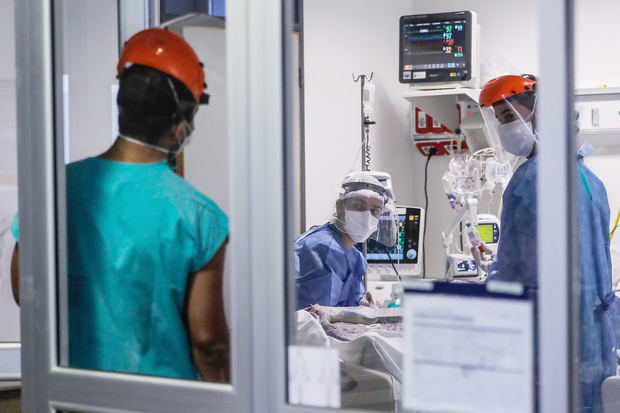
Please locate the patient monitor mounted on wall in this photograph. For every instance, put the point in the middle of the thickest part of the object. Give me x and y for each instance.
(440, 50)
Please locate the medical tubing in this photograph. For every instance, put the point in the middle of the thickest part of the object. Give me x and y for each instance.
(392, 262)
(611, 236)
(431, 152)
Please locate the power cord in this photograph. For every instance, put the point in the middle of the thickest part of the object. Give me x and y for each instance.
(432, 151)
(393, 266)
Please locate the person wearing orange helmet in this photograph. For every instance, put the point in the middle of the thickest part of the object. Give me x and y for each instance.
(509, 109)
(145, 248)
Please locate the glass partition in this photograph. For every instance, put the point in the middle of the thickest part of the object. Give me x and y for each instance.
(416, 267)
(143, 222)
(596, 317)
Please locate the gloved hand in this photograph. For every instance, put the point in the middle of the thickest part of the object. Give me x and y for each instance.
(483, 258)
(372, 298)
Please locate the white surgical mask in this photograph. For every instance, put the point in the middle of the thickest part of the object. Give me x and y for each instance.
(359, 225)
(517, 137)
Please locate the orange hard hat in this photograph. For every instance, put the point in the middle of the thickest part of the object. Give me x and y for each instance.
(504, 87)
(169, 53)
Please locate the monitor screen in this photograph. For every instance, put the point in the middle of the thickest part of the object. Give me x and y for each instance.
(489, 233)
(435, 47)
(407, 243)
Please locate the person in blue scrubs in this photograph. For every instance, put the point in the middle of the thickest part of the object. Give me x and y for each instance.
(145, 248)
(508, 105)
(329, 269)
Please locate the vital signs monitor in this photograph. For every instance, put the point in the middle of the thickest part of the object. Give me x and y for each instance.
(440, 49)
(406, 255)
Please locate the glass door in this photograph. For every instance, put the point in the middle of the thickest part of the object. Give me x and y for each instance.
(149, 313)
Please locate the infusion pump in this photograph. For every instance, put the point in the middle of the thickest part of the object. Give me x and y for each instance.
(464, 265)
(405, 256)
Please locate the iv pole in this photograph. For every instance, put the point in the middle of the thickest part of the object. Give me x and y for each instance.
(365, 123)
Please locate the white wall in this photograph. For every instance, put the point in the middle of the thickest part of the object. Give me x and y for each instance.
(7, 34)
(206, 159)
(360, 36)
(341, 38)
(596, 58)
(90, 53)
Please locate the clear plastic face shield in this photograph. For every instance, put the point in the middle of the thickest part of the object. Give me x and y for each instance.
(367, 211)
(511, 127)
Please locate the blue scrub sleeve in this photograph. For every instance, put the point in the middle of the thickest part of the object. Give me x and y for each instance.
(315, 287)
(211, 232)
(15, 227)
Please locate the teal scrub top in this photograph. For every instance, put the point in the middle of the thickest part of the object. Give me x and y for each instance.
(135, 232)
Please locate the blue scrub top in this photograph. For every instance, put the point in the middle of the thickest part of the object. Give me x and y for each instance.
(135, 232)
(517, 261)
(327, 273)
(517, 251)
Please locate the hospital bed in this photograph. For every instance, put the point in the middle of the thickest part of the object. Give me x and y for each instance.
(369, 342)
(364, 388)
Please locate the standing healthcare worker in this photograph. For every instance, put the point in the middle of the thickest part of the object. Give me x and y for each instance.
(145, 248)
(508, 105)
(329, 269)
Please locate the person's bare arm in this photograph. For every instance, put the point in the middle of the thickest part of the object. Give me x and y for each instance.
(15, 273)
(208, 330)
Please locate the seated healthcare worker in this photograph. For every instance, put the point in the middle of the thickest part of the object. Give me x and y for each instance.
(329, 269)
(508, 104)
(145, 248)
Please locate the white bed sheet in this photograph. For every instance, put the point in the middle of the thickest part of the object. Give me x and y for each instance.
(375, 349)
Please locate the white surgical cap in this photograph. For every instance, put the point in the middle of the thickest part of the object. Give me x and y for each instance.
(360, 184)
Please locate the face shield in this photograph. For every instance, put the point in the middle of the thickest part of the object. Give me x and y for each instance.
(367, 211)
(510, 127)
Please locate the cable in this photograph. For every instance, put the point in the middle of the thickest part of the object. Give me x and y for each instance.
(392, 262)
(611, 236)
(431, 152)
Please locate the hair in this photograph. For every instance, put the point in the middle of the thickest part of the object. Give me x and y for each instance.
(147, 106)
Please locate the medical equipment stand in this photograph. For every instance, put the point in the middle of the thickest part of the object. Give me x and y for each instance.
(471, 208)
(366, 122)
